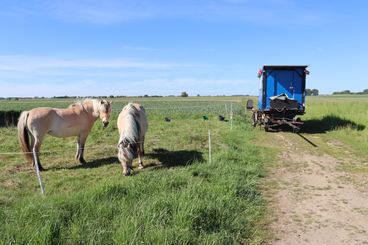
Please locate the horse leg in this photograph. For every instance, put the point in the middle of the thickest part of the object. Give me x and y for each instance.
(126, 169)
(36, 150)
(80, 149)
(142, 144)
(31, 147)
(129, 166)
(140, 155)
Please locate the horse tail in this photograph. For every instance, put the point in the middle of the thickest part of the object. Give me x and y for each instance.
(23, 135)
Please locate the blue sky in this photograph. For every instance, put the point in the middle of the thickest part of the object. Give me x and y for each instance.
(75, 47)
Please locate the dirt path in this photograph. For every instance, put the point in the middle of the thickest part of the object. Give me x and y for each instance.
(313, 201)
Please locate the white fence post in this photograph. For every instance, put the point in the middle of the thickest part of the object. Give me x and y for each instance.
(38, 171)
(231, 116)
(209, 147)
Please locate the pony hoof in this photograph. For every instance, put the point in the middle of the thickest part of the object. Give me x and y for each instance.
(140, 167)
(82, 161)
(128, 172)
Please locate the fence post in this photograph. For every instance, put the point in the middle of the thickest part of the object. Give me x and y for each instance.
(209, 147)
(227, 113)
(38, 171)
(231, 116)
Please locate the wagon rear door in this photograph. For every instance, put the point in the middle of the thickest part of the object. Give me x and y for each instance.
(290, 83)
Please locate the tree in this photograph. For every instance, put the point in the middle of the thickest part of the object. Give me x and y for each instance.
(343, 92)
(315, 92)
(311, 92)
(184, 94)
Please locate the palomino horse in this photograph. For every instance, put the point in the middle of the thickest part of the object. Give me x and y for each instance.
(132, 125)
(76, 120)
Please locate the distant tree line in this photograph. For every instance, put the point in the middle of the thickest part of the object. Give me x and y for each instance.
(183, 94)
(365, 91)
(311, 92)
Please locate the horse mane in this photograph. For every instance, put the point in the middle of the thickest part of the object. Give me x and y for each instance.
(131, 130)
(81, 103)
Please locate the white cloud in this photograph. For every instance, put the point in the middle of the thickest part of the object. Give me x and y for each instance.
(195, 82)
(88, 87)
(267, 12)
(29, 63)
(19, 89)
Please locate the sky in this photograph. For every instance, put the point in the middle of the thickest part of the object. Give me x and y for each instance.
(165, 47)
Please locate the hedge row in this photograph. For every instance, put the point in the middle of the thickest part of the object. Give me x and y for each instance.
(9, 118)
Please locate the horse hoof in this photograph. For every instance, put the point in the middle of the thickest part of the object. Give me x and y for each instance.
(82, 161)
(140, 167)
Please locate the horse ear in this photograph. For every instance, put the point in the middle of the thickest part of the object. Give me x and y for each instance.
(110, 102)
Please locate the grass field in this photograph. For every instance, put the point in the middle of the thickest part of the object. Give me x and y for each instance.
(342, 118)
(180, 198)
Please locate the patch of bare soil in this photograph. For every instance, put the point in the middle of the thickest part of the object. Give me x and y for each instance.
(311, 200)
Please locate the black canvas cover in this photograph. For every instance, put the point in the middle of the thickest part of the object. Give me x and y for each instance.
(282, 101)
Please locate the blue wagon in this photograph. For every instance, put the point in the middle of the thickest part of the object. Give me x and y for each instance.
(281, 97)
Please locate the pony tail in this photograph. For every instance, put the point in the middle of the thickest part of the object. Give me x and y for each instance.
(23, 136)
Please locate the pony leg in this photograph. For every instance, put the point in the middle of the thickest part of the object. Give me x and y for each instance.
(80, 149)
(140, 156)
(126, 169)
(142, 145)
(129, 164)
(36, 148)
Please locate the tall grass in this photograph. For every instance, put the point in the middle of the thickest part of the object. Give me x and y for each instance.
(180, 198)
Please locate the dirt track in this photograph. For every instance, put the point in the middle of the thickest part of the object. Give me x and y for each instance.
(313, 200)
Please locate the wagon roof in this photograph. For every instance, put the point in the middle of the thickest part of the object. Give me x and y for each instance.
(284, 66)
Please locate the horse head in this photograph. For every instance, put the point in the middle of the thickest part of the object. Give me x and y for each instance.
(104, 111)
(129, 149)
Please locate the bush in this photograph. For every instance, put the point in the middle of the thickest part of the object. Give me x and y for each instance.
(9, 118)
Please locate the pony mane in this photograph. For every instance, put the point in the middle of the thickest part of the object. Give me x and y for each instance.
(95, 105)
(131, 129)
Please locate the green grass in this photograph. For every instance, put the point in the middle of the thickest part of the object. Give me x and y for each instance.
(180, 198)
(341, 119)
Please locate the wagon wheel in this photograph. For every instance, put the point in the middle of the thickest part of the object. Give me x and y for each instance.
(254, 118)
(266, 125)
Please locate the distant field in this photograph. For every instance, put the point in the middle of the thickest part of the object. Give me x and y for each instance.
(180, 198)
(181, 107)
